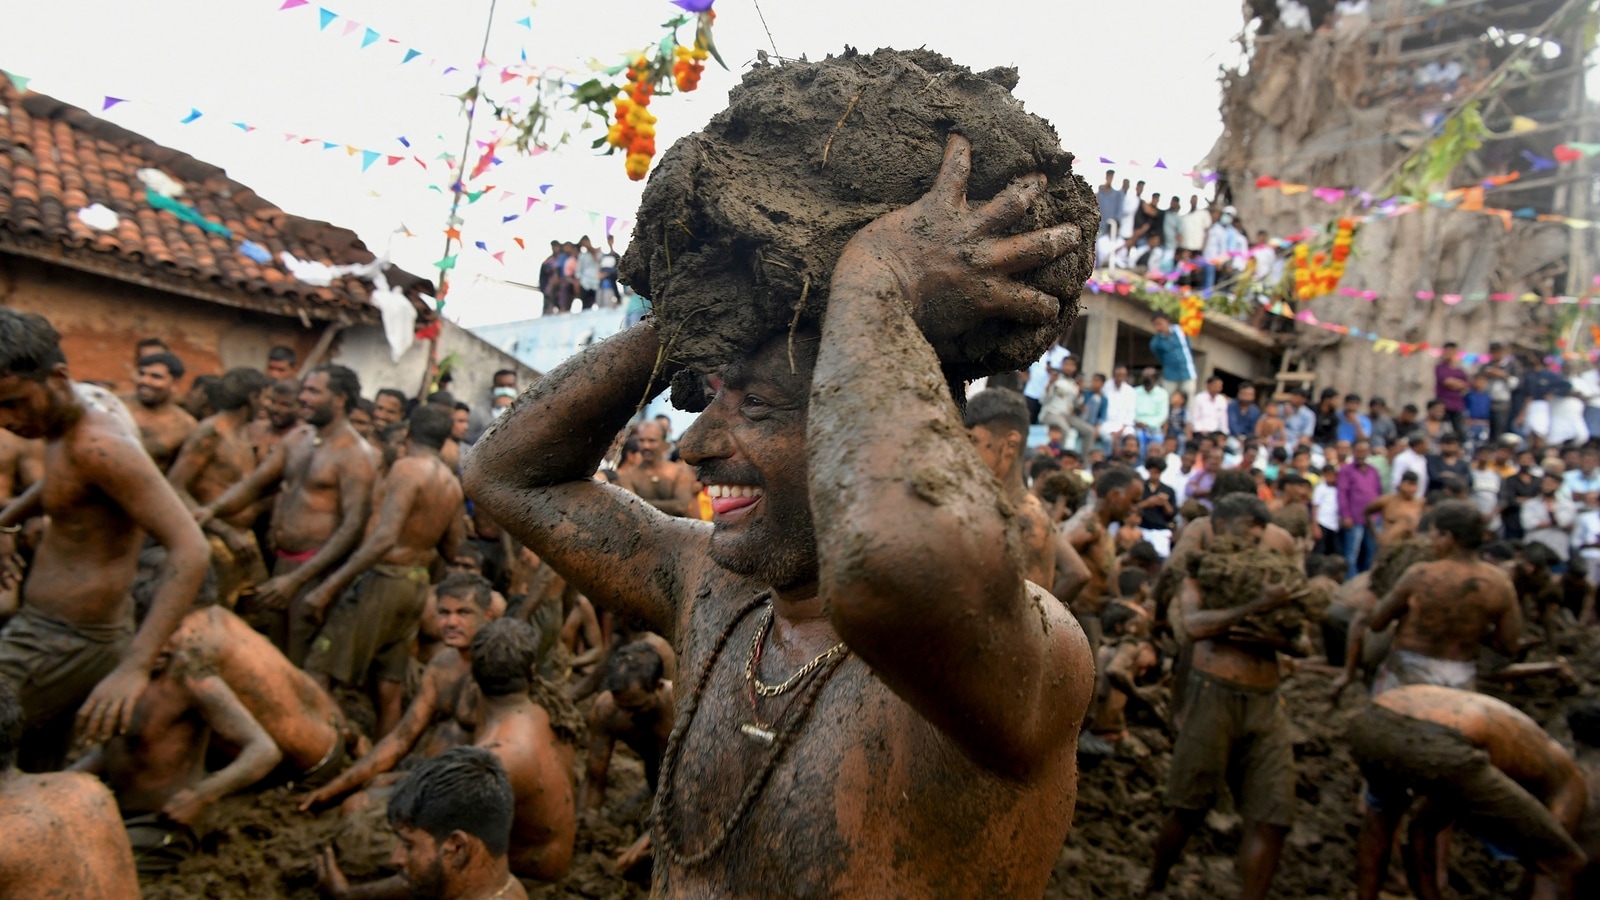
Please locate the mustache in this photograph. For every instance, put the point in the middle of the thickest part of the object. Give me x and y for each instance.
(715, 472)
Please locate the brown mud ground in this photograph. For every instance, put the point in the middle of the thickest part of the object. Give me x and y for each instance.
(262, 848)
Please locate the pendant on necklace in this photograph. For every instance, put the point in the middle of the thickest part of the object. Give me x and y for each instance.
(758, 734)
(316, 441)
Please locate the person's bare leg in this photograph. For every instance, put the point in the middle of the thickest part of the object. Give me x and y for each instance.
(1181, 823)
(1373, 852)
(1422, 854)
(1258, 858)
(390, 705)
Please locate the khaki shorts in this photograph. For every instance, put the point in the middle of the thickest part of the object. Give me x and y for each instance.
(371, 626)
(54, 665)
(1236, 738)
(1403, 759)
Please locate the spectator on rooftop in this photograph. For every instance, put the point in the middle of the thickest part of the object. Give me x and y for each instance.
(1170, 225)
(1131, 198)
(1171, 348)
(1224, 245)
(1192, 227)
(1110, 200)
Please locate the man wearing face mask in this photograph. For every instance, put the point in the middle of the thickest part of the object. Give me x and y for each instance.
(1223, 240)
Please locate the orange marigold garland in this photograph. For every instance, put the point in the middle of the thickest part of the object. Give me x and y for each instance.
(1318, 274)
(1191, 314)
(634, 131)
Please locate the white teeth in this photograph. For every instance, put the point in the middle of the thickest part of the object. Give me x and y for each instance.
(729, 491)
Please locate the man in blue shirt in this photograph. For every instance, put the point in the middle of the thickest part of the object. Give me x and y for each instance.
(1243, 413)
(1171, 348)
(1355, 425)
(1094, 410)
(1110, 200)
(1298, 421)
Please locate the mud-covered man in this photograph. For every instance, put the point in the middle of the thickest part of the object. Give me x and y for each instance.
(1235, 734)
(1446, 609)
(1455, 757)
(636, 708)
(163, 424)
(857, 536)
(280, 415)
(21, 466)
(73, 643)
(1089, 532)
(997, 419)
(416, 512)
(662, 483)
(324, 476)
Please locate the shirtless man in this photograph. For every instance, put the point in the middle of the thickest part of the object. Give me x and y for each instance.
(157, 768)
(1463, 758)
(537, 760)
(636, 707)
(454, 816)
(445, 710)
(997, 419)
(1197, 534)
(325, 473)
(416, 511)
(388, 408)
(42, 814)
(280, 415)
(1089, 533)
(664, 484)
(218, 455)
(300, 717)
(73, 642)
(21, 466)
(857, 536)
(163, 424)
(1583, 719)
(1446, 608)
(1125, 659)
(1401, 511)
(1234, 732)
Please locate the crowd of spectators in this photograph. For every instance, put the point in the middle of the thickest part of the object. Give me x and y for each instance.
(579, 276)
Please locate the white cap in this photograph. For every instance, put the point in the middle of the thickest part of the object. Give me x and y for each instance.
(1230, 210)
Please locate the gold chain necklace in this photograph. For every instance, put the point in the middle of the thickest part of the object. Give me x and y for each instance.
(774, 690)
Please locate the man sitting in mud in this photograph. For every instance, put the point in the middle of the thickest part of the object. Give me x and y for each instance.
(1446, 609)
(157, 768)
(1460, 758)
(662, 483)
(1235, 734)
(535, 750)
(300, 717)
(63, 837)
(1126, 657)
(73, 642)
(468, 559)
(997, 419)
(857, 536)
(323, 475)
(416, 514)
(636, 708)
(163, 424)
(1089, 533)
(217, 456)
(445, 710)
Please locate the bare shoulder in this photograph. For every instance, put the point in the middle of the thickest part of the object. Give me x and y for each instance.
(102, 435)
(1068, 648)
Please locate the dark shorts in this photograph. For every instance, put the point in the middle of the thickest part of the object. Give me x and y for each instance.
(371, 626)
(54, 665)
(159, 844)
(1236, 738)
(287, 773)
(1403, 759)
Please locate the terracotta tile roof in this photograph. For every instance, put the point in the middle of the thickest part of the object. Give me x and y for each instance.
(56, 158)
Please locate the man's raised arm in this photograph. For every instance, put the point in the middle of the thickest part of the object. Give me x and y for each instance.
(533, 472)
(920, 555)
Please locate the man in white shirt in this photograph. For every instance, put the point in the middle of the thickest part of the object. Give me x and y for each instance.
(1412, 459)
(1223, 244)
(1130, 205)
(1039, 378)
(1121, 402)
(1549, 517)
(1192, 227)
(1208, 411)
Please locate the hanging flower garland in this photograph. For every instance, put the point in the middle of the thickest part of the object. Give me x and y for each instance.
(1318, 274)
(673, 66)
(1191, 313)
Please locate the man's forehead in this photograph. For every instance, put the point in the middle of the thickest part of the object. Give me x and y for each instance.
(769, 365)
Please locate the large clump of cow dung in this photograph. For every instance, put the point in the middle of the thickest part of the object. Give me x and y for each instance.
(1394, 560)
(1236, 571)
(741, 224)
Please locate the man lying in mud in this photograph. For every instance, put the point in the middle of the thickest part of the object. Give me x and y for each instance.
(1458, 757)
(73, 644)
(636, 708)
(1446, 609)
(857, 536)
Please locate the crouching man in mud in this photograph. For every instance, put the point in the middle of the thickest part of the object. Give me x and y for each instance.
(1462, 757)
(857, 539)
(73, 643)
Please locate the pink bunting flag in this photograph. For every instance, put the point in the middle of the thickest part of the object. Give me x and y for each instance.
(291, 4)
(350, 27)
(1328, 195)
(529, 205)
(500, 257)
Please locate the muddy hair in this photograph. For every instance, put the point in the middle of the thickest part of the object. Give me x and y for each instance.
(1116, 616)
(1583, 718)
(1061, 484)
(431, 424)
(997, 406)
(1130, 580)
(166, 359)
(342, 382)
(1114, 478)
(1237, 506)
(236, 388)
(29, 345)
(466, 586)
(1462, 521)
(504, 653)
(462, 789)
(1232, 481)
(634, 665)
(10, 725)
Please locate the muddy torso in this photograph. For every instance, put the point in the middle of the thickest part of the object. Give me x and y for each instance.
(540, 768)
(438, 502)
(1400, 518)
(1038, 539)
(870, 800)
(263, 437)
(308, 510)
(20, 459)
(299, 716)
(163, 429)
(89, 553)
(1101, 558)
(658, 482)
(162, 753)
(63, 838)
(1452, 609)
(233, 457)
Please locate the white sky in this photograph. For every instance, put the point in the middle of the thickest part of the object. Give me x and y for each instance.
(1134, 80)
